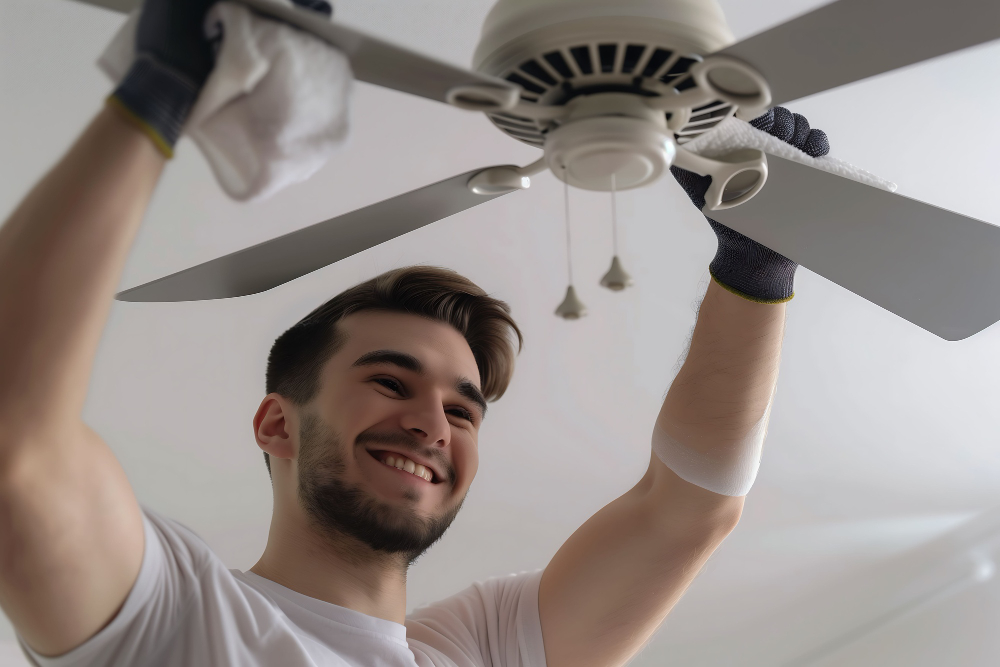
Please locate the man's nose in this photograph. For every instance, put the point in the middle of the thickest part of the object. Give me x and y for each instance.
(428, 422)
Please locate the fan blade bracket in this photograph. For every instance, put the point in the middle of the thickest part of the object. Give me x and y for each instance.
(719, 78)
(498, 181)
(737, 177)
(484, 97)
(503, 179)
(734, 81)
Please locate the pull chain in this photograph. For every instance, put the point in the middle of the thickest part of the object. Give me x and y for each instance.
(571, 307)
(569, 252)
(614, 213)
(617, 278)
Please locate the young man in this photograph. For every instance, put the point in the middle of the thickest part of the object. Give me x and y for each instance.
(369, 430)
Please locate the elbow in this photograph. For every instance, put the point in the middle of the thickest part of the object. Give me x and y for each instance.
(701, 520)
(725, 516)
(714, 521)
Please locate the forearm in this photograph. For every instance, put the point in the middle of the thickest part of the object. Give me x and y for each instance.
(616, 578)
(61, 255)
(619, 575)
(726, 383)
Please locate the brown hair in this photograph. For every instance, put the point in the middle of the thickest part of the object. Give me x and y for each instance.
(293, 366)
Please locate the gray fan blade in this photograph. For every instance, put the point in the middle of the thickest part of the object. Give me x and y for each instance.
(381, 63)
(935, 268)
(385, 64)
(850, 40)
(124, 6)
(275, 262)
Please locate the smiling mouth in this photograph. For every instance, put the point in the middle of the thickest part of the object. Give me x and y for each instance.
(400, 462)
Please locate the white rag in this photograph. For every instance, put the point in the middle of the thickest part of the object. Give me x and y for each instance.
(734, 133)
(274, 108)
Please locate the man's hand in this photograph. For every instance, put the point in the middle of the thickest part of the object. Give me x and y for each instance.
(617, 577)
(173, 61)
(741, 265)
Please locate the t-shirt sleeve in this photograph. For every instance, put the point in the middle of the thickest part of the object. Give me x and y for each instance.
(493, 623)
(166, 587)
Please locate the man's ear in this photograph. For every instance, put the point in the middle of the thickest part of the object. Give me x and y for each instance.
(274, 425)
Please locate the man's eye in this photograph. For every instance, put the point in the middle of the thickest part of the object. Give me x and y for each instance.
(461, 412)
(390, 384)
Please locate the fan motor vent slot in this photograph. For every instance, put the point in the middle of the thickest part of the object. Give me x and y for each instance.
(715, 111)
(633, 53)
(688, 82)
(678, 68)
(607, 53)
(529, 86)
(656, 61)
(705, 118)
(705, 108)
(559, 64)
(510, 116)
(514, 125)
(524, 134)
(560, 74)
(532, 68)
(702, 117)
(581, 54)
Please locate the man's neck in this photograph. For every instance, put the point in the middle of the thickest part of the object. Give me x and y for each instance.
(343, 572)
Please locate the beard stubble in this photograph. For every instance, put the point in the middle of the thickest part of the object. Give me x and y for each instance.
(339, 509)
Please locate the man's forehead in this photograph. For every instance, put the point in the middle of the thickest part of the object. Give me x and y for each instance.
(438, 346)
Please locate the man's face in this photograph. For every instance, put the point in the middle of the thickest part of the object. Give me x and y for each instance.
(403, 391)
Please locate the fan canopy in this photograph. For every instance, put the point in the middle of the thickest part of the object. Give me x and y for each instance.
(697, 24)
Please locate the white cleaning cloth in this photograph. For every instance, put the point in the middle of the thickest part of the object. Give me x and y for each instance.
(274, 108)
(734, 133)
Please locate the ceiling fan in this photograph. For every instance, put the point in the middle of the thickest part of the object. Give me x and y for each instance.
(613, 89)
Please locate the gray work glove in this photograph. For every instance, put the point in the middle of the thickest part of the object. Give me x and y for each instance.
(173, 61)
(741, 265)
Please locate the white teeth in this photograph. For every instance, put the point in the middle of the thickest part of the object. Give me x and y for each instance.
(409, 466)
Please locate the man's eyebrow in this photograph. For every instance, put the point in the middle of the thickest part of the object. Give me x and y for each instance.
(401, 359)
(464, 387)
(471, 392)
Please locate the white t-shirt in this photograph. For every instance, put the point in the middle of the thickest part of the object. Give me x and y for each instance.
(187, 610)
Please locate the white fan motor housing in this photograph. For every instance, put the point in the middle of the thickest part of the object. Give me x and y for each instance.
(698, 25)
(597, 59)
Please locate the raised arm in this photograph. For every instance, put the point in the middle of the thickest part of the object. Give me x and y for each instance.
(618, 576)
(71, 535)
(70, 530)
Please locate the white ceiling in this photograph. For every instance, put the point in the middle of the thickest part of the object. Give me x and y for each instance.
(882, 437)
